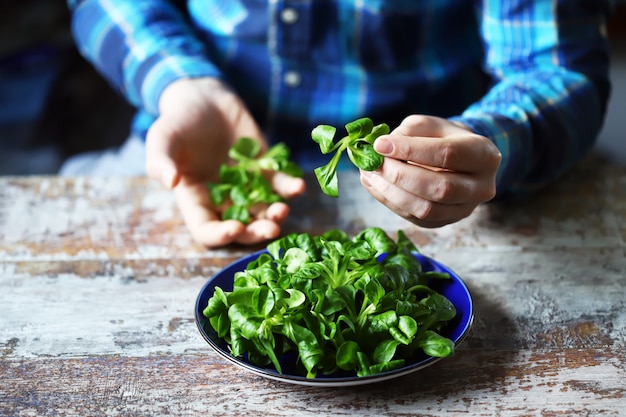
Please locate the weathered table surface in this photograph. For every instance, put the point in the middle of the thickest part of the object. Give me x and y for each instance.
(98, 280)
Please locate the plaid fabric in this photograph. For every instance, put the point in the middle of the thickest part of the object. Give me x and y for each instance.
(530, 75)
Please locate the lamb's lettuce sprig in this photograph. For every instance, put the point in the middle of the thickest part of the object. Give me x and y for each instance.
(359, 304)
(359, 144)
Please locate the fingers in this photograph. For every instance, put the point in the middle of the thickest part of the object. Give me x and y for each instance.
(435, 172)
(444, 187)
(287, 186)
(160, 150)
(266, 227)
(214, 234)
(206, 227)
(436, 142)
(423, 211)
(201, 219)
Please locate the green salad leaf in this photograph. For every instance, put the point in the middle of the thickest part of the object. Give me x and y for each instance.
(359, 144)
(243, 184)
(360, 304)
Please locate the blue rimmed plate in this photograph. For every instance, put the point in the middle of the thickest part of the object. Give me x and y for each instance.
(456, 330)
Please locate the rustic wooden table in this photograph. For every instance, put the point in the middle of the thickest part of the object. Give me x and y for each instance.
(98, 280)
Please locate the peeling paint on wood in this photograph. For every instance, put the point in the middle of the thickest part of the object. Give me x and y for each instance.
(98, 280)
(476, 383)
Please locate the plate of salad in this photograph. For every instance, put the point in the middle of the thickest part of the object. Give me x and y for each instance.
(334, 310)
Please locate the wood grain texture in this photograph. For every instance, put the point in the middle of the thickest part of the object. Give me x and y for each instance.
(99, 278)
(568, 382)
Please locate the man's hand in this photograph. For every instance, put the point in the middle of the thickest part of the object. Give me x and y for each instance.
(435, 172)
(200, 119)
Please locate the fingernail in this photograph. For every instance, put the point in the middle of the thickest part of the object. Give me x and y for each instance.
(383, 146)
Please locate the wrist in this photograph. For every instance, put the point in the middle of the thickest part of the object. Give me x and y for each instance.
(191, 91)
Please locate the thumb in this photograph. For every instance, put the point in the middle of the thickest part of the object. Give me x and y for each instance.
(160, 152)
(286, 185)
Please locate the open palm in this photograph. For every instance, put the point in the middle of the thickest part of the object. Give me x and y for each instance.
(199, 121)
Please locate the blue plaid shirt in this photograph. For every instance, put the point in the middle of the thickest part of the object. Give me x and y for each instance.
(530, 75)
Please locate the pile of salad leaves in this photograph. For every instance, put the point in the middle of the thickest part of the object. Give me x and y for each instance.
(243, 184)
(359, 144)
(360, 304)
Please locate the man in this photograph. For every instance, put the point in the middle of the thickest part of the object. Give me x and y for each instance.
(485, 98)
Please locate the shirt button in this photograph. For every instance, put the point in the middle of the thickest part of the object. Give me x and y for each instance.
(292, 78)
(289, 16)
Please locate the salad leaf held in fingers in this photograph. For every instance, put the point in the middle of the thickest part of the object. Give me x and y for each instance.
(359, 144)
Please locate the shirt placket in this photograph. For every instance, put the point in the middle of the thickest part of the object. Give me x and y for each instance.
(289, 37)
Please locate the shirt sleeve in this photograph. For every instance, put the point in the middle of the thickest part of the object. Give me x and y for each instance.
(139, 46)
(549, 62)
